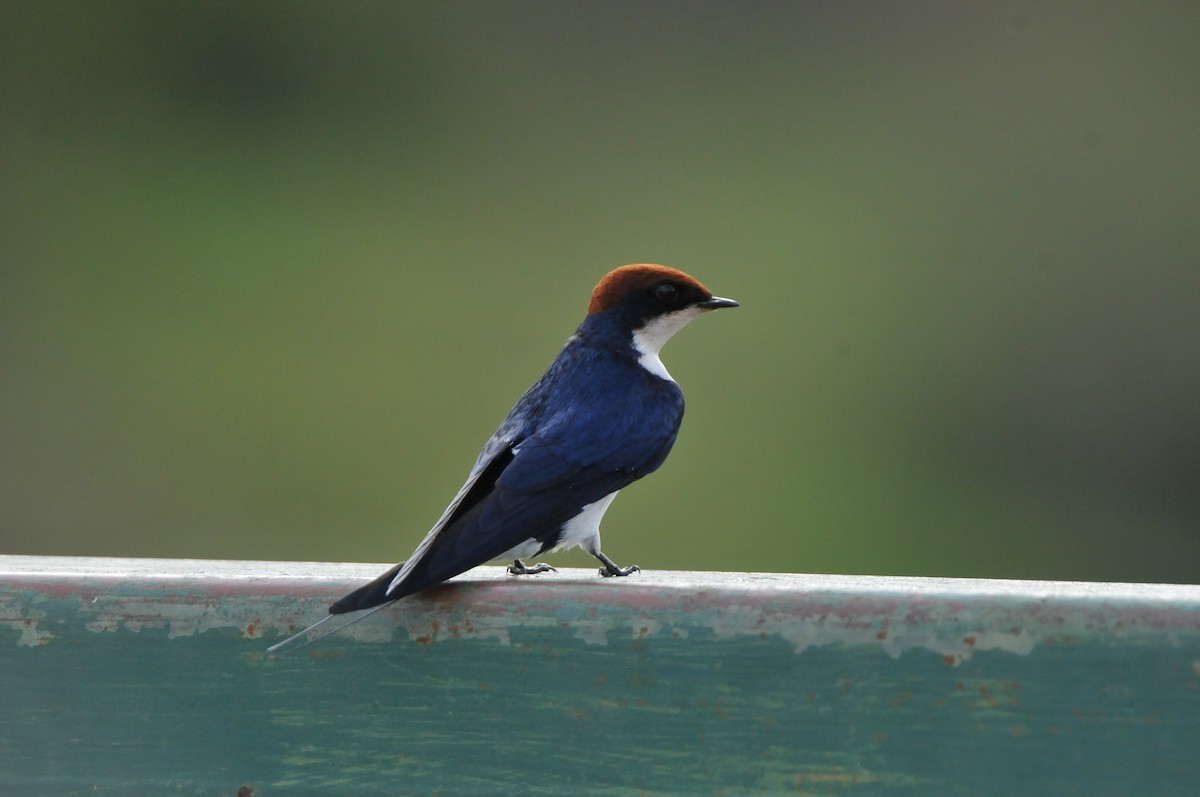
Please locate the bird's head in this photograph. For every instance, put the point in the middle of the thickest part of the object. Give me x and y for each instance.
(653, 302)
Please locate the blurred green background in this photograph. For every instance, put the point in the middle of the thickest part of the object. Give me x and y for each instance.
(272, 273)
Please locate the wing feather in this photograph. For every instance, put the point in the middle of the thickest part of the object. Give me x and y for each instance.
(529, 488)
(480, 483)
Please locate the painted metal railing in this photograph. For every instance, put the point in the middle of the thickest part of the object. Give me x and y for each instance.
(124, 676)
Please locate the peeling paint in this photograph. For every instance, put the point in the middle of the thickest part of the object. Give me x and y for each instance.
(181, 616)
(28, 633)
(943, 617)
(894, 633)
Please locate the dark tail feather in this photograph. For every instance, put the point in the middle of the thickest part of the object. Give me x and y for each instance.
(368, 595)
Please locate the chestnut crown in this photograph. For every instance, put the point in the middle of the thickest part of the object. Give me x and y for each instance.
(646, 291)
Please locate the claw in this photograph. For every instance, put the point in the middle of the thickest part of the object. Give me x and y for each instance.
(620, 571)
(519, 568)
(611, 568)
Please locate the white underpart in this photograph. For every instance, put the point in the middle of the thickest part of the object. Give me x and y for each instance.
(650, 339)
(582, 530)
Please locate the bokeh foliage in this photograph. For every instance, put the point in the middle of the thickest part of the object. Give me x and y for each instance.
(270, 273)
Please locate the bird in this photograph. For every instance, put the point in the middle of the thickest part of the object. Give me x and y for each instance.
(605, 414)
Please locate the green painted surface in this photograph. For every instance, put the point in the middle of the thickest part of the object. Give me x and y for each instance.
(142, 676)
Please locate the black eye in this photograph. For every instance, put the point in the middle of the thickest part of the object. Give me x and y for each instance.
(666, 293)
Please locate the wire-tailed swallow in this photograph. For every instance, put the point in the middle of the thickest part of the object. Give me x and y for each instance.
(604, 415)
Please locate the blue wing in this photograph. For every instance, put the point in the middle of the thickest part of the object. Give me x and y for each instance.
(547, 462)
(537, 484)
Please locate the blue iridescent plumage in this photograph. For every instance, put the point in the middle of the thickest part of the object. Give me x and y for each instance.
(605, 414)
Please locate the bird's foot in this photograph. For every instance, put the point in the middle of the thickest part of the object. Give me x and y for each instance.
(611, 568)
(519, 568)
(619, 571)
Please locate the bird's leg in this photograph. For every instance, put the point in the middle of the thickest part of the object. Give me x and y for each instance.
(610, 567)
(519, 568)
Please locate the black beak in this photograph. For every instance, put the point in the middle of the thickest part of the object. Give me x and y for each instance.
(716, 303)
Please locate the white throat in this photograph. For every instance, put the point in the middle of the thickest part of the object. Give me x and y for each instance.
(650, 339)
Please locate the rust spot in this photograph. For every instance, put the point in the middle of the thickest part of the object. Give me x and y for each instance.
(879, 738)
(252, 629)
(423, 639)
(969, 641)
(601, 680)
(483, 685)
(901, 698)
(988, 697)
(950, 661)
(246, 791)
(882, 635)
(718, 709)
(1019, 731)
